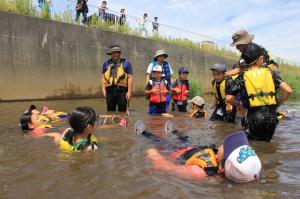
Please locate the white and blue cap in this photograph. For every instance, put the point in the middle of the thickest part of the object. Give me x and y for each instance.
(157, 68)
(241, 162)
(219, 66)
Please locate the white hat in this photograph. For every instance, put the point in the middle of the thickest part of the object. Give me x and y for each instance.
(157, 68)
(199, 101)
(241, 162)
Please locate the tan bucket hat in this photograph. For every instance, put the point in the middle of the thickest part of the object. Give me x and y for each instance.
(241, 37)
(159, 53)
(199, 101)
(114, 48)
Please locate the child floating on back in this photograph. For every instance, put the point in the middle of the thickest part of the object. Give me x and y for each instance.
(39, 125)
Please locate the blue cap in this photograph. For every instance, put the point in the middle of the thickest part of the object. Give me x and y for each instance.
(234, 141)
(183, 69)
(219, 66)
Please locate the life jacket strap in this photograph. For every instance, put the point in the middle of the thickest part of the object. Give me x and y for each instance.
(261, 94)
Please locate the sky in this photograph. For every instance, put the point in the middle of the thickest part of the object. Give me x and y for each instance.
(275, 23)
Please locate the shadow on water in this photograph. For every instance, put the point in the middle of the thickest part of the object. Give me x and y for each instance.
(32, 168)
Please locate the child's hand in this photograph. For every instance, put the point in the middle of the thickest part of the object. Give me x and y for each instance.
(165, 91)
(177, 90)
(229, 107)
(154, 90)
(49, 112)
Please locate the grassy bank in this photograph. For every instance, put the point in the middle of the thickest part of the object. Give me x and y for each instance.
(291, 75)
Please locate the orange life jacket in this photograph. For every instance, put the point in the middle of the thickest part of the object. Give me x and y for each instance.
(158, 96)
(182, 96)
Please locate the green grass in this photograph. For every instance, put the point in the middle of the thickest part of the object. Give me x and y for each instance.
(196, 88)
(291, 75)
(24, 7)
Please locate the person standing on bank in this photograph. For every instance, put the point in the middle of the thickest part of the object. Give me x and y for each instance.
(160, 59)
(81, 7)
(116, 80)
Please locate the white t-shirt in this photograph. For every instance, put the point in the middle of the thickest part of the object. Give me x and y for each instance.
(150, 67)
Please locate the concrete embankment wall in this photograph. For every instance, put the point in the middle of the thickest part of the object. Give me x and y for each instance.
(42, 59)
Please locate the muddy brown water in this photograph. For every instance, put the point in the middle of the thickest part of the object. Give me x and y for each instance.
(35, 168)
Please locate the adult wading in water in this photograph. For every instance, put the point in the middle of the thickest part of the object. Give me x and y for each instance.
(257, 87)
(116, 80)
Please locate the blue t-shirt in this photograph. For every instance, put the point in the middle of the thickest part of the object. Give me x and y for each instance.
(126, 66)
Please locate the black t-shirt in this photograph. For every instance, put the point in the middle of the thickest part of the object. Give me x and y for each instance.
(238, 86)
(84, 7)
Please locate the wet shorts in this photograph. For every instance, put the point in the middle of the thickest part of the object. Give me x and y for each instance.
(116, 96)
(261, 122)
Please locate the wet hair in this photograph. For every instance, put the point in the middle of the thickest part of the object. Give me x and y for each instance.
(26, 119)
(145, 15)
(104, 2)
(80, 118)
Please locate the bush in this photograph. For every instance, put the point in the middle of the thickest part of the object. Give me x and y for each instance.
(196, 89)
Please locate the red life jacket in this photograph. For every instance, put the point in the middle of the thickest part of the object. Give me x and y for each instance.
(182, 96)
(158, 97)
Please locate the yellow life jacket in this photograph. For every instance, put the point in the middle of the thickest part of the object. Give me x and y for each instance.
(67, 145)
(260, 87)
(220, 93)
(45, 126)
(205, 158)
(61, 115)
(44, 118)
(115, 75)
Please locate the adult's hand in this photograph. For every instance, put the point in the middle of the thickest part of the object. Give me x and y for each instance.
(128, 96)
(241, 111)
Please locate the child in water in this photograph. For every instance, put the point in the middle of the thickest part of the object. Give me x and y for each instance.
(79, 137)
(198, 108)
(235, 158)
(180, 89)
(221, 85)
(35, 124)
(157, 90)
